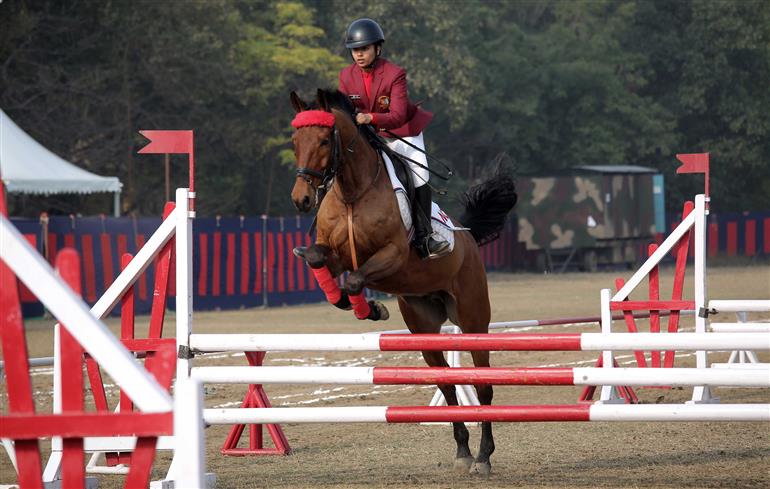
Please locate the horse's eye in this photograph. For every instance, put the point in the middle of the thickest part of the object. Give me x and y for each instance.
(325, 142)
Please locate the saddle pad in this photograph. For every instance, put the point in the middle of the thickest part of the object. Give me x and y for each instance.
(440, 222)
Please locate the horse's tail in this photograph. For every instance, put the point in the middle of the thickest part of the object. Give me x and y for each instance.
(487, 205)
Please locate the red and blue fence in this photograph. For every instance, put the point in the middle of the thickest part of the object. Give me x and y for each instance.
(248, 261)
(732, 234)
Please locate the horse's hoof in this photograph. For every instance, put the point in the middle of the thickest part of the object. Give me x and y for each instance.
(463, 464)
(378, 311)
(300, 251)
(482, 469)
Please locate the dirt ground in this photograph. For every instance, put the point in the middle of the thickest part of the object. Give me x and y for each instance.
(529, 455)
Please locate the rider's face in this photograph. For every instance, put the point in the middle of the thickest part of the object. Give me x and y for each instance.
(364, 56)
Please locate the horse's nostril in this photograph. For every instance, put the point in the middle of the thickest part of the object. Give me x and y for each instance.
(306, 203)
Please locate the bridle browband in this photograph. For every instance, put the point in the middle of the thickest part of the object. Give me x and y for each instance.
(325, 119)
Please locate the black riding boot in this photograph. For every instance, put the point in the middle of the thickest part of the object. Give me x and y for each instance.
(427, 245)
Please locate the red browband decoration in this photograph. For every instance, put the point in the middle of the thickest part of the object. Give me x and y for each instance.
(313, 118)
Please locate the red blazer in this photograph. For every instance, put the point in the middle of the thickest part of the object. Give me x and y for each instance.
(390, 101)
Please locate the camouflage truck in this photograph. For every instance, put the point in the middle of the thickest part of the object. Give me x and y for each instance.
(589, 216)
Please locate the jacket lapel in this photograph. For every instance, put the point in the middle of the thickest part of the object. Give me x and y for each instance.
(358, 88)
(379, 74)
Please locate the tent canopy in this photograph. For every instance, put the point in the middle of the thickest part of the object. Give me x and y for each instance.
(28, 167)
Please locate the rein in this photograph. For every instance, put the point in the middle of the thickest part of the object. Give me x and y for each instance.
(427, 155)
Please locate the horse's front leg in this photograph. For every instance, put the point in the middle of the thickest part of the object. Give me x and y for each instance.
(317, 256)
(387, 261)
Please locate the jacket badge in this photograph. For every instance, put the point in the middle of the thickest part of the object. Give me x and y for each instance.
(383, 102)
(354, 96)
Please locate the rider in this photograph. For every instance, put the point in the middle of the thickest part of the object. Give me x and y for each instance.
(378, 90)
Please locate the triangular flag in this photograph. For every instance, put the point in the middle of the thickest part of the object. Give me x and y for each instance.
(168, 142)
(693, 163)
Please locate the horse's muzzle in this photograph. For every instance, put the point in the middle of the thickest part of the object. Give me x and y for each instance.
(304, 204)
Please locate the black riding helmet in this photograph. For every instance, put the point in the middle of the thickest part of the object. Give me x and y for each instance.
(362, 32)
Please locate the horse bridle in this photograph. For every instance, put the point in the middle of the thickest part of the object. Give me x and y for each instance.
(327, 177)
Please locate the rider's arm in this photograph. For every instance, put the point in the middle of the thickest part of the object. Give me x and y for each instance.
(396, 115)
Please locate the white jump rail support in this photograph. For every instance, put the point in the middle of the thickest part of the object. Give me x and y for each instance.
(85, 326)
(466, 394)
(188, 464)
(101, 309)
(177, 223)
(739, 358)
(695, 220)
(89, 331)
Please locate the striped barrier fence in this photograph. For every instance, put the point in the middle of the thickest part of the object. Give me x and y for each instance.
(759, 377)
(246, 261)
(514, 414)
(478, 342)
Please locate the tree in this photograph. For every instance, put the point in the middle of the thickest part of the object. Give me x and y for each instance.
(84, 78)
(711, 68)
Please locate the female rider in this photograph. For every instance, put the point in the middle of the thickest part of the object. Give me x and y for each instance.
(378, 90)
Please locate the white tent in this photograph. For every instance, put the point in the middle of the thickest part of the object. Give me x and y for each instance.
(28, 167)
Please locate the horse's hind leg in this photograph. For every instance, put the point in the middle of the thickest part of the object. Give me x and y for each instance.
(483, 466)
(426, 315)
(463, 457)
(470, 310)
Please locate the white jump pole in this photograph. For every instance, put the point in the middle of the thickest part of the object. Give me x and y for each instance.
(532, 413)
(738, 305)
(759, 377)
(739, 327)
(201, 343)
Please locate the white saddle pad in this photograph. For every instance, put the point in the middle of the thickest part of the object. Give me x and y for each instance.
(440, 222)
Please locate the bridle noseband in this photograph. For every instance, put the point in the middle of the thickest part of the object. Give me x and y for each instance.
(331, 170)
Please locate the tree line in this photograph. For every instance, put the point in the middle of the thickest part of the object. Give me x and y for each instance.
(550, 83)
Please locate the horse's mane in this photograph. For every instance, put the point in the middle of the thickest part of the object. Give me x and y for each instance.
(336, 100)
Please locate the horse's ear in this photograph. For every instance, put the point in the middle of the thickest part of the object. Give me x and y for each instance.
(296, 102)
(323, 101)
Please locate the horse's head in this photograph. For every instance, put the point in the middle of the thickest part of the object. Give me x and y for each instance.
(316, 142)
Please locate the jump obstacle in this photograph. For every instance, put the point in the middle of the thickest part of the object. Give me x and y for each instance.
(189, 415)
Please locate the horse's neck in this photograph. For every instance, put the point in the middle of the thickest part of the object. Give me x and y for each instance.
(359, 167)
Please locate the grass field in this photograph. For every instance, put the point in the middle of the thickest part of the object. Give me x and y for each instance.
(536, 455)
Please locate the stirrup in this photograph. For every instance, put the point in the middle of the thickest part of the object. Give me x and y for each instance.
(432, 248)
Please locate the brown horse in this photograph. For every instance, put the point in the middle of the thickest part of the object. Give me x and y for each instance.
(360, 231)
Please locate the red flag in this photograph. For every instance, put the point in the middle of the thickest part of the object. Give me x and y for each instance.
(693, 163)
(168, 142)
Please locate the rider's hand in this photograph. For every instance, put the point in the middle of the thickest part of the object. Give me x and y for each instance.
(364, 118)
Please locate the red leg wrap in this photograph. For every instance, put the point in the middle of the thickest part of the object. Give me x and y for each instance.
(360, 306)
(327, 284)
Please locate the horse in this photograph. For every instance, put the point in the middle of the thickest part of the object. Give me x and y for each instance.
(360, 231)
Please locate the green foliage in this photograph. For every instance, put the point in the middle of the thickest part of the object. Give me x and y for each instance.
(551, 83)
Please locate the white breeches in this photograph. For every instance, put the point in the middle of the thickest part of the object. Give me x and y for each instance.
(420, 175)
